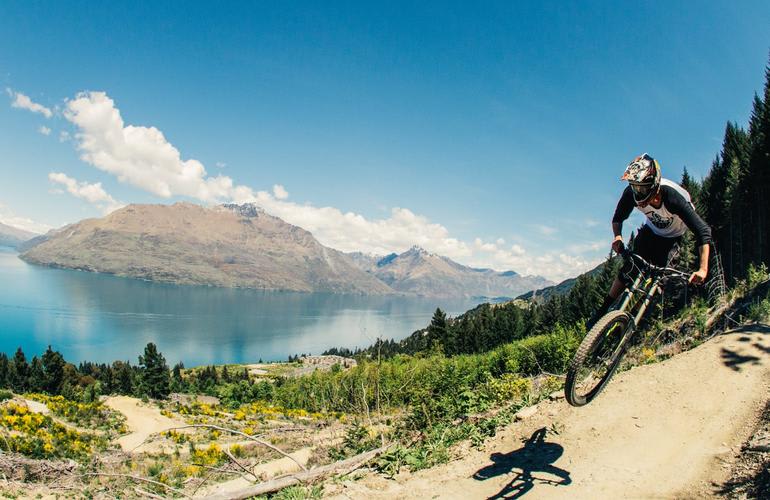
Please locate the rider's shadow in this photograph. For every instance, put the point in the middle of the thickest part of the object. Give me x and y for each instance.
(537, 455)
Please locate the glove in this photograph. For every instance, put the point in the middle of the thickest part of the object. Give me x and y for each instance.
(617, 244)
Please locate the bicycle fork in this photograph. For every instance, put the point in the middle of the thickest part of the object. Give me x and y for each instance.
(632, 302)
(648, 291)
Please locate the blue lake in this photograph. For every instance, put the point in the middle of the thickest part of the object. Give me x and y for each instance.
(94, 317)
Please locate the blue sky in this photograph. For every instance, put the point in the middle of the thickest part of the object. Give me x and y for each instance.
(494, 133)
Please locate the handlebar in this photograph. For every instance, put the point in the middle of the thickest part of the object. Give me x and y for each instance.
(666, 271)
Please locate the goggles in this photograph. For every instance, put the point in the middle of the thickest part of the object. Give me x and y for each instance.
(641, 191)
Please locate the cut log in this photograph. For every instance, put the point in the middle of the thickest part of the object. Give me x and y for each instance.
(284, 482)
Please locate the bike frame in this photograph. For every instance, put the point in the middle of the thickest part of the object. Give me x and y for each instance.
(637, 297)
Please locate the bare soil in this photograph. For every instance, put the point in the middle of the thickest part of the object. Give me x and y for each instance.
(142, 421)
(666, 430)
(750, 472)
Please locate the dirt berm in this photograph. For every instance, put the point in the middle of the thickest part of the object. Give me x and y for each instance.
(665, 430)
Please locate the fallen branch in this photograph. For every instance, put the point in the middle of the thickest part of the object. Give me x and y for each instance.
(137, 478)
(284, 482)
(142, 492)
(233, 431)
(218, 469)
(205, 480)
(15, 466)
(240, 465)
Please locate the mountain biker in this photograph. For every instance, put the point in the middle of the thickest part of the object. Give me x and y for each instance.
(669, 211)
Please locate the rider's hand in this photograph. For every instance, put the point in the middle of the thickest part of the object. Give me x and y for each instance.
(617, 244)
(698, 277)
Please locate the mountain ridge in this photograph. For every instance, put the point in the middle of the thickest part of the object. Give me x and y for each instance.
(12, 236)
(184, 243)
(417, 271)
(234, 245)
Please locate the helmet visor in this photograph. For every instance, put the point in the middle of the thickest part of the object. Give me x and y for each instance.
(641, 191)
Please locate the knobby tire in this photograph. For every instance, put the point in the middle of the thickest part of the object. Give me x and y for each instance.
(601, 350)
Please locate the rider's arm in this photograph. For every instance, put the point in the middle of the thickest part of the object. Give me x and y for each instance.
(700, 275)
(678, 205)
(625, 205)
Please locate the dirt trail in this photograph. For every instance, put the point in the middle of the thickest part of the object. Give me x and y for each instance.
(658, 431)
(142, 421)
(37, 407)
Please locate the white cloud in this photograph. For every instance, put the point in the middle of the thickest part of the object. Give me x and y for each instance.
(64, 136)
(591, 246)
(92, 193)
(7, 216)
(24, 102)
(556, 265)
(545, 230)
(221, 164)
(348, 231)
(44, 130)
(484, 247)
(280, 192)
(143, 157)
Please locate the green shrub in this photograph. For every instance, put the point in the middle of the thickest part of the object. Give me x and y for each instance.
(508, 388)
(759, 310)
(756, 275)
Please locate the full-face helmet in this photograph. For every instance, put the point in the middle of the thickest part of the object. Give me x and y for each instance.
(643, 175)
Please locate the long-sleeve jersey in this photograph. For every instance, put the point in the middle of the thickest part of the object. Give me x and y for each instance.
(675, 215)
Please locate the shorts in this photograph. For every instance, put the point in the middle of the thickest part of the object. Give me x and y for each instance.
(657, 250)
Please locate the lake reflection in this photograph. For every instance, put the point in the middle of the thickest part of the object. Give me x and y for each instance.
(95, 317)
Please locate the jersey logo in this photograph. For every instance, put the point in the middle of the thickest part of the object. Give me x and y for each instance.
(658, 221)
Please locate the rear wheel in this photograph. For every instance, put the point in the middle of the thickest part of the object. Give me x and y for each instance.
(597, 358)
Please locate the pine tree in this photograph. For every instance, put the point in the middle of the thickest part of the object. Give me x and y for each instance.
(437, 330)
(154, 376)
(735, 163)
(53, 367)
(177, 383)
(687, 253)
(760, 158)
(5, 371)
(37, 377)
(124, 377)
(692, 186)
(713, 197)
(19, 372)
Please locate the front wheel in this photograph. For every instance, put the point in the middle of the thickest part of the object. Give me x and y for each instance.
(597, 358)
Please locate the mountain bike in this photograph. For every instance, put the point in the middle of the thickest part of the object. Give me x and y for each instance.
(604, 346)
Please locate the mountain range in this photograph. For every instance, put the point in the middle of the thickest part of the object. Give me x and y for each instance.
(542, 294)
(243, 246)
(228, 245)
(420, 272)
(12, 236)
